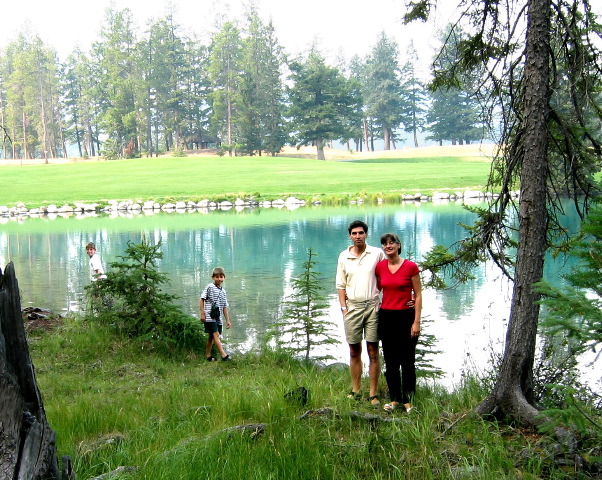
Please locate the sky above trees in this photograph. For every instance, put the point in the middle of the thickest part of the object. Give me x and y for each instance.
(340, 27)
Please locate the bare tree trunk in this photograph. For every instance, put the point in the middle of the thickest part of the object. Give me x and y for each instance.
(320, 149)
(366, 139)
(387, 137)
(24, 153)
(512, 394)
(27, 443)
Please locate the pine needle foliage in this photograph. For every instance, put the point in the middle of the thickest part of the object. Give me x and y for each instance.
(132, 300)
(302, 326)
(573, 315)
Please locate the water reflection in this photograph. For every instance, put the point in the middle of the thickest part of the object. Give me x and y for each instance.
(261, 250)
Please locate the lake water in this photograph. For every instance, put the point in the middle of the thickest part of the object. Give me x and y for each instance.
(261, 251)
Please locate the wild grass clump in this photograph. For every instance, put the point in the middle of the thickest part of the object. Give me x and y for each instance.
(115, 403)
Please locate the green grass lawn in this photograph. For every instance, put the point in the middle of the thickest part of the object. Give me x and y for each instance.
(196, 178)
(115, 402)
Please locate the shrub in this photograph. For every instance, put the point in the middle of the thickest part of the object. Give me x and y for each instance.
(132, 300)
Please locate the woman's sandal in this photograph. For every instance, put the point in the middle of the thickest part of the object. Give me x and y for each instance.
(391, 407)
(226, 358)
(374, 404)
(211, 359)
(354, 395)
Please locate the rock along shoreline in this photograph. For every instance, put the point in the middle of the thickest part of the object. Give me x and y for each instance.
(117, 208)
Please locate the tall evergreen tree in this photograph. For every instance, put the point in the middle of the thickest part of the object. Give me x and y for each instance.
(262, 106)
(361, 131)
(162, 57)
(545, 153)
(414, 97)
(323, 103)
(197, 89)
(453, 114)
(32, 115)
(382, 88)
(5, 139)
(225, 76)
(453, 117)
(115, 55)
(81, 103)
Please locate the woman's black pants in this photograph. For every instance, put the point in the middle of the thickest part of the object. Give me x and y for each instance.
(399, 351)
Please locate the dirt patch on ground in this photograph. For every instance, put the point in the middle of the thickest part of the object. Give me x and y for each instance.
(39, 319)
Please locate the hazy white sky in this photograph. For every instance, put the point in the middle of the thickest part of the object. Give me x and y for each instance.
(339, 26)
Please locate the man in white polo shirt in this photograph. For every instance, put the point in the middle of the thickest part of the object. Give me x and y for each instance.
(358, 296)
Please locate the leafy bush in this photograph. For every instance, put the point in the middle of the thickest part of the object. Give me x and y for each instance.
(131, 299)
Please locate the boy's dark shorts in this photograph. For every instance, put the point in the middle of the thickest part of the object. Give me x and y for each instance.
(211, 327)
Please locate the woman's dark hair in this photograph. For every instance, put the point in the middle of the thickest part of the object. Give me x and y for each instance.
(357, 223)
(390, 236)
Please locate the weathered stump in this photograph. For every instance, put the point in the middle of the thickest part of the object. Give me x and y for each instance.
(27, 443)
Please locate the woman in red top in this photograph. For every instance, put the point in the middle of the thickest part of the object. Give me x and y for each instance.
(399, 321)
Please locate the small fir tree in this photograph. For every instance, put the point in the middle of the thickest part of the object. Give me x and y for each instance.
(301, 327)
(425, 350)
(576, 308)
(140, 307)
(573, 315)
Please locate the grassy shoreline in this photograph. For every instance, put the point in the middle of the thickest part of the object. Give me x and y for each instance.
(116, 403)
(170, 179)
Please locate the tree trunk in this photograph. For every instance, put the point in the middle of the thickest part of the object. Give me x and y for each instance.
(366, 139)
(512, 393)
(27, 447)
(387, 137)
(320, 150)
(24, 153)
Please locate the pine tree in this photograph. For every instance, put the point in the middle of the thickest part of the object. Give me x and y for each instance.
(324, 105)
(301, 328)
(382, 89)
(414, 97)
(225, 77)
(576, 309)
(262, 91)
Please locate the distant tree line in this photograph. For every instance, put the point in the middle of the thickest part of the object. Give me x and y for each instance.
(131, 96)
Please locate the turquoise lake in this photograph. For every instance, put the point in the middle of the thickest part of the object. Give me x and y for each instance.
(261, 251)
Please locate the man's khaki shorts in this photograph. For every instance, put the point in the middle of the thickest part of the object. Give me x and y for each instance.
(361, 321)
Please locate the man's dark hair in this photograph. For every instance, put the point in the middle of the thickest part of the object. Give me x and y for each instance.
(357, 223)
